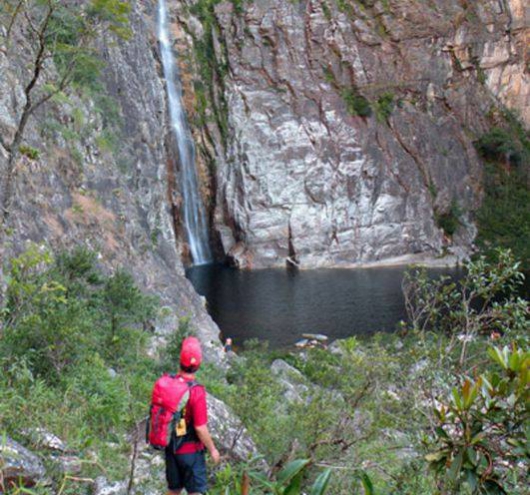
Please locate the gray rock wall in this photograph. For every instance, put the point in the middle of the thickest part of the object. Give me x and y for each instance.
(302, 177)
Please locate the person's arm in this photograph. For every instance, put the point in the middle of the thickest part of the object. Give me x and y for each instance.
(200, 419)
(206, 439)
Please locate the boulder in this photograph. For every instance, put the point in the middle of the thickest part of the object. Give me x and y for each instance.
(69, 464)
(292, 380)
(103, 487)
(43, 439)
(19, 465)
(336, 348)
(228, 431)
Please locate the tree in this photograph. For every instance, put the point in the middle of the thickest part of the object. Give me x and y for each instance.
(64, 32)
(484, 300)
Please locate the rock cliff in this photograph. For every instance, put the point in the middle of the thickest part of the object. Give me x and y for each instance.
(330, 132)
(102, 168)
(341, 131)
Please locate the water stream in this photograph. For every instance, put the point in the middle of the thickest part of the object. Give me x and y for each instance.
(195, 222)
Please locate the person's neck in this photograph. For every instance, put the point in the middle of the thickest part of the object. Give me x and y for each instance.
(186, 376)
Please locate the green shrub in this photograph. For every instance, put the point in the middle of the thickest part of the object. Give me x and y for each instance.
(450, 221)
(485, 299)
(384, 106)
(73, 357)
(481, 438)
(356, 104)
(59, 312)
(500, 145)
(503, 219)
(30, 152)
(345, 7)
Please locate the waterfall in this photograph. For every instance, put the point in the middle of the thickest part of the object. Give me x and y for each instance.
(194, 216)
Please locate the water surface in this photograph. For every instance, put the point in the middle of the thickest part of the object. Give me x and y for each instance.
(279, 305)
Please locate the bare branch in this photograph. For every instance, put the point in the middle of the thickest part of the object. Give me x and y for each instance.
(18, 8)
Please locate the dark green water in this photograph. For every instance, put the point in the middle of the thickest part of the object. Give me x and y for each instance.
(278, 305)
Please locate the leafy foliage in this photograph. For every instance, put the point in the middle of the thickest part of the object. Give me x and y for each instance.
(485, 300)
(500, 145)
(450, 221)
(384, 106)
(30, 152)
(367, 410)
(73, 348)
(59, 313)
(482, 431)
(356, 104)
(504, 217)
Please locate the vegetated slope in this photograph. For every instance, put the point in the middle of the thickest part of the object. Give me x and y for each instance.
(439, 407)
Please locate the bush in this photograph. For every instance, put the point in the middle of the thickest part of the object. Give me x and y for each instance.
(60, 312)
(384, 106)
(484, 300)
(30, 152)
(481, 437)
(72, 357)
(356, 104)
(504, 217)
(450, 221)
(501, 146)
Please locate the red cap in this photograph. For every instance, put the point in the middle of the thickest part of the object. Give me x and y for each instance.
(190, 353)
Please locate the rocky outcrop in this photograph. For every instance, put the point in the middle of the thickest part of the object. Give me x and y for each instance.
(19, 466)
(103, 174)
(230, 434)
(292, 381)
(303, 173)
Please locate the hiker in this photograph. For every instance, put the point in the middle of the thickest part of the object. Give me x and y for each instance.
(185, 452)
(228, 345)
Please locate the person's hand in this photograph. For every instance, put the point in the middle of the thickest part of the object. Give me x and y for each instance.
(216, 457)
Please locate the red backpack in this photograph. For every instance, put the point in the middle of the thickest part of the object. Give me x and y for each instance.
(166, 415)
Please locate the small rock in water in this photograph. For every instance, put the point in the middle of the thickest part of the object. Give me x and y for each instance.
(302, 343)
(315, 336)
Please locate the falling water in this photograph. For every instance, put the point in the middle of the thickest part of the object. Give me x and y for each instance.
(194, 215)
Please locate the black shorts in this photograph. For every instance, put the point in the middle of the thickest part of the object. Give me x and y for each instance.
(186, 471)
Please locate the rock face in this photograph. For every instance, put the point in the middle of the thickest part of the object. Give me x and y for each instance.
(230, 434)
(18, 464)
(293, 382)
(304, 173)
(104, 175)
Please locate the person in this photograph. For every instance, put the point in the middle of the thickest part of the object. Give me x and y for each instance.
(228, 344)
(186, 466)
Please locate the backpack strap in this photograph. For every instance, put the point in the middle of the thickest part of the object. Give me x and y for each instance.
(186, 397)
